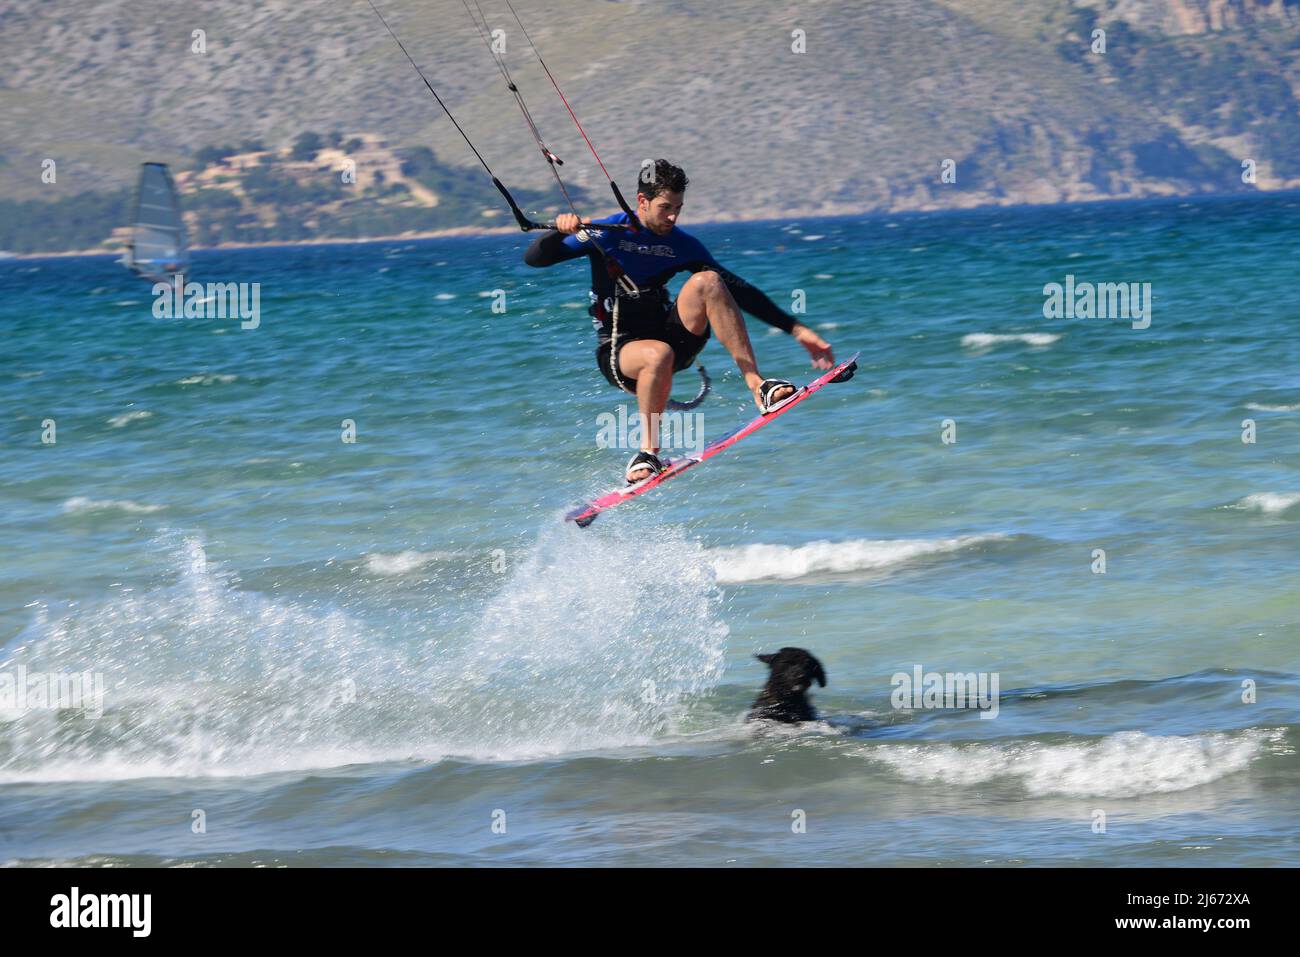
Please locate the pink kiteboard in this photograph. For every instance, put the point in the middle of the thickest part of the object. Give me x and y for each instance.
(585, 514)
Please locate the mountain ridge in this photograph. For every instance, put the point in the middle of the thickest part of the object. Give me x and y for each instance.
(1014, 98)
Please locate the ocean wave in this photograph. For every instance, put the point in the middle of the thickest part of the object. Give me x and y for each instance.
(80, 504)
(203, 677)
(207, 378)
(1261, 407)
(749, 563)
(399, 563)
(118, 421)
(1270, 503)
(986, 340)
(134, 767)
(1126, 764)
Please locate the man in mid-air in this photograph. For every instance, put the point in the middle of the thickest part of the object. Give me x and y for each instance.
(644, 336)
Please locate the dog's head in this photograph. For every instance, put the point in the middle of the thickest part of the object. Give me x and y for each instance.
(793, 670)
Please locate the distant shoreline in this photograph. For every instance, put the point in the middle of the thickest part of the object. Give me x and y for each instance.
(766, 216)
(448, 233)
(323, 241)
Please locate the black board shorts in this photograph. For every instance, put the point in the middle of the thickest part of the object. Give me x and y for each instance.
(685, 344)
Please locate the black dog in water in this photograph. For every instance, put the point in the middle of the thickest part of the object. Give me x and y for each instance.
(785, 696)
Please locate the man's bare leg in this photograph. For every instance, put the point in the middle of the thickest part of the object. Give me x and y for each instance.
(650, 363)
(704, 301)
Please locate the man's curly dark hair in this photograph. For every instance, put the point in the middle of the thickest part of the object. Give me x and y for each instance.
(660, 177)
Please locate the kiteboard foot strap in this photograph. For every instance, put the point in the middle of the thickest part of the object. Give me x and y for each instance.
(765, 390)
(640, 462)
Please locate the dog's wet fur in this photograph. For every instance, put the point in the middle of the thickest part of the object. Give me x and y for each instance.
(785, 696)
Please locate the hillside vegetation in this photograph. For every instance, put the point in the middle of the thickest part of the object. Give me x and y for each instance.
(1012, 92)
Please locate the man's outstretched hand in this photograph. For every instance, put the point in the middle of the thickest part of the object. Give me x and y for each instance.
(567, 223)
(817, 347)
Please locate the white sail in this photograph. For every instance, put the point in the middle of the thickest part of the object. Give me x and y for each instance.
(158, 236)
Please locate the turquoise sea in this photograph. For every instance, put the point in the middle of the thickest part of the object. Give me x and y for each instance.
(393, 651)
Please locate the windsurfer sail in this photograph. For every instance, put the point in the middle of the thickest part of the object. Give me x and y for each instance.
(157, 248)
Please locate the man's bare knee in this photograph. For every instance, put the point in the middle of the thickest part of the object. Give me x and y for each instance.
(660, 358)
(650, 357)
(708, 282)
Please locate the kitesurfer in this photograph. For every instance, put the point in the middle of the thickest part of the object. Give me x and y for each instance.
(645, 336)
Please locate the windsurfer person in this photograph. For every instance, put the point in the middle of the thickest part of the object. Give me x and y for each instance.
(644, 336)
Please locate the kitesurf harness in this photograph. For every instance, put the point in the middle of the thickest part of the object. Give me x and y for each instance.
(606, 311)
(610, 309)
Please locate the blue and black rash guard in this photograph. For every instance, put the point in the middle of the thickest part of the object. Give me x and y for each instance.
(650, 261)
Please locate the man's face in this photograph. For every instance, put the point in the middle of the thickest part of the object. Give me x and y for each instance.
(659, 215)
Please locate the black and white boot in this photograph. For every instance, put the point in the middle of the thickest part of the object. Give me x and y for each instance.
(765, 390)
(640, 463)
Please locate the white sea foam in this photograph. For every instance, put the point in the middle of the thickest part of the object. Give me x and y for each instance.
(445, 296)
(399, 563)
(748, 563)
(204, 678)
(80, 504)
(1260, 407)
(1270, 503)
(1126, 764)
(207, 378)
(986, 340)
(126, 418)
(602, 660)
